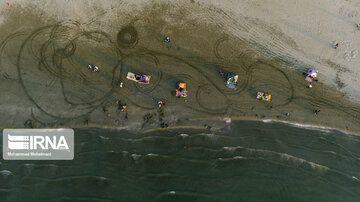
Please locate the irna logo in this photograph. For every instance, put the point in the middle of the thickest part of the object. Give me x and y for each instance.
(37, 142)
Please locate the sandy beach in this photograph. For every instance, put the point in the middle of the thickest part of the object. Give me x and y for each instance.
(46, 49)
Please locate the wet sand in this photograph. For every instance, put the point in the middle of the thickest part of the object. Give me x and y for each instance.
(45, 79)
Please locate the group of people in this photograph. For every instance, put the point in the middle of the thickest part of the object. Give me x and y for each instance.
(94, 69)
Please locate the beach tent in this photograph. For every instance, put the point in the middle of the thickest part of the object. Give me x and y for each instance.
(312, 73)
(232, 81)
(142, 79)
(181, 90)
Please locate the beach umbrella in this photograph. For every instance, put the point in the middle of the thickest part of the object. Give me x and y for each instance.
(312, 73)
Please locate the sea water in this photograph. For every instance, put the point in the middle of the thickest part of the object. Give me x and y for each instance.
(246, 161)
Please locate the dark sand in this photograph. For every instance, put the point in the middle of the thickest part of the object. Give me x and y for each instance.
(45, 79)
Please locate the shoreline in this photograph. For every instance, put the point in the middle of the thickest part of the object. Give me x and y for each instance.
(223, 125)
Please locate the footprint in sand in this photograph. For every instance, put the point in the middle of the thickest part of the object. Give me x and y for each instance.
(350, 55)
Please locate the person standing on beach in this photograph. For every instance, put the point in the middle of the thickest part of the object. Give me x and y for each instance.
(317, 111)
(161, 103)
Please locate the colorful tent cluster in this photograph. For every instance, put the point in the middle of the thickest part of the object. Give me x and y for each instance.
(232, 80)
(311, 74)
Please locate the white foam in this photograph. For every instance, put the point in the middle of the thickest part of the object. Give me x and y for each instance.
(184, 135)
(172, 192)
(104, 138)
(298, 125)
(355, 178)
(102, 178)
(151, 154)
(238, 157)
(232, 148)
(5, 173)
(135, 156)
(208, 134)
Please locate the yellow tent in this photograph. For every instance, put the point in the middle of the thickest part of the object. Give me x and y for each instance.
(182, 85)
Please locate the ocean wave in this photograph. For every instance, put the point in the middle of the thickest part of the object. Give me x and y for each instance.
(232, 148)
(135, 156)
(298, 125)
(208, 134)
(172, 192)
(102, 178)
(238, 157)
(104, 138)
(274, 156)
(293, 159)
(355, 178)
(151, 154)
(5, 173)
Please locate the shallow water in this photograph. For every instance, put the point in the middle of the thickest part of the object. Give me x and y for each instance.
(249, 160)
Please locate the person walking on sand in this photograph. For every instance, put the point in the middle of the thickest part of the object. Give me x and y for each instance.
(161, 103)
(96, 69)
(336, 45)
(123, 108)
(167, 39)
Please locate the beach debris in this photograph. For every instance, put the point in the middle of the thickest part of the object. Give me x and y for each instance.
(207, 126)
(121, 84)
(181, 90)
(105, 110)
(317, 111)
(94, 68)
(311, 75)
(263, 96)
(221, 72)
(232, 80)
(167, 39)
(29, 123)
(164, 125)
(139, 78)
